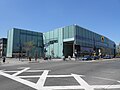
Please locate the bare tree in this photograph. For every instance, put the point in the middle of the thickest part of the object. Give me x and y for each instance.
(27, 47)
(118, 50)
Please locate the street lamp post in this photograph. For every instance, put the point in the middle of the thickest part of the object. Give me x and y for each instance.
(20, 48)
(94, 46)
(45, 46)
(73, 48)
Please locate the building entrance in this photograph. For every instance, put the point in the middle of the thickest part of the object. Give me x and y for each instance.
(68, 48)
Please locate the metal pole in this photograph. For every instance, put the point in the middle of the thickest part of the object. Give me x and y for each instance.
(94, 47)
(44, 46)
(19, 46)
(19, 49)
(73, 48)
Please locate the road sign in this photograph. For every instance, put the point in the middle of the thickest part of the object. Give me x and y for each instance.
(102, 38)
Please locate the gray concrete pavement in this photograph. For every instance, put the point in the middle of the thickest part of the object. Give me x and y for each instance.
(15, 61)
(60, 75)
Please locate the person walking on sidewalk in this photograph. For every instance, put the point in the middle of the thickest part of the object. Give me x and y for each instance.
(76, 54)
(36, 56)
(3, 59)
(29, 58)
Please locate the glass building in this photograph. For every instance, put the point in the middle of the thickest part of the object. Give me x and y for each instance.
(23, 42)
(3, 46)
(66, 40)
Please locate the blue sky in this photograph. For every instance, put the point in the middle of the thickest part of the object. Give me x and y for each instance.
(100, 16)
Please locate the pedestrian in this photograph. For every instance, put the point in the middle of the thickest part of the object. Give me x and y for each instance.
(64, 58)
(29, 58)
(75, 55)
(3, 59)
(50, 57)
(69, 57)
(35, 57)
(0, 59)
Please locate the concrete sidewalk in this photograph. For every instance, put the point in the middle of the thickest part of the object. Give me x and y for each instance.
(15, 61)
(12, 61)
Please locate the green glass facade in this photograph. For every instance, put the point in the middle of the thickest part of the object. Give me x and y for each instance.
(53, 42)
(59, 42)
(17, 38)
(3, 46)
(93, 42)
(64, 41)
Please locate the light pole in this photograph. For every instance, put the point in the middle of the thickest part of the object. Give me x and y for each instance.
(19, 48)
(37, 50)
(94, 47)
(44, 46)
(73, 48)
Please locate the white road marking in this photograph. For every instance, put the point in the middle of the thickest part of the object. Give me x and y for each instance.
(21, 67)
(118, 81)
(19, 72)
(63, 87)
(10, 71)
(35, 70)
(107, 79)
(42, 79)
(2, 69)
(35, 76)
(106, 86)
(61, 75)
(27, 71)
(81, 87)
(47, 76)
(28, 83)
(84, 84)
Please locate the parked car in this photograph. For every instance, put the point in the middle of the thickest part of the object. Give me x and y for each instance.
(95, 57)
(87, 58)
(117, 56)
(107, 57)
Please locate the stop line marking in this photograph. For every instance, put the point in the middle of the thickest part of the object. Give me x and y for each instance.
(42, 78)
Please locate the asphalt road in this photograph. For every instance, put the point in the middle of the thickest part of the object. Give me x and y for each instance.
(62, 75)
